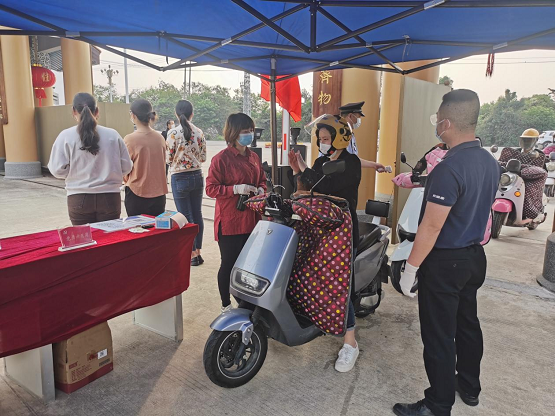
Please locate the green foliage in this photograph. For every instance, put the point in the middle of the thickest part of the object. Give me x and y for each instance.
(163, 98)
(212, 105)
(503, 121)
(102, 94)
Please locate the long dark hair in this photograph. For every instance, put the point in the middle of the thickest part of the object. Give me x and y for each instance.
(184, 111)
(234, 124)
(142, 109)
(85, 105)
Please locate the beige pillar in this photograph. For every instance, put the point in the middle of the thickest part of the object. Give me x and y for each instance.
(49, 100)
(2, 149)
(19, 134)
(364, 85)
(76, 62)
(389, 119)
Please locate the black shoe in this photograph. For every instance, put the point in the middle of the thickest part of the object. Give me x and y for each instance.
(195, 261)
(200, 259)
(414, 409)
(465, 397)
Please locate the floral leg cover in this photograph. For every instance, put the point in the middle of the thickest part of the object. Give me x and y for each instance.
(320, 281)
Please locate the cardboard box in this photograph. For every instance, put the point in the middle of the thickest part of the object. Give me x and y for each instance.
(83, 358)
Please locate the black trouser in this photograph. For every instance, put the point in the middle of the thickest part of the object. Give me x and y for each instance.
(448, 281)
(230, 248)
(90, 208)
(137, 205)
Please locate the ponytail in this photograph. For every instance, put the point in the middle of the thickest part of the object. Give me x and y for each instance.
(85, 105)
(184, 111)
(142, 109)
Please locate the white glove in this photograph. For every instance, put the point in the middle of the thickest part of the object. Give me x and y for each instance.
(244, 189)
(261, 191)
(302, 163)
(408, 277)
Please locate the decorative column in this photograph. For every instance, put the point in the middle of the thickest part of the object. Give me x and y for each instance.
(2, 149)
(364, 85)
(19, 134)
(76, 63)
(389, 120)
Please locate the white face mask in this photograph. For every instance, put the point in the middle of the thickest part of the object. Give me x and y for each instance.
(325, 148)
(358, 123)
(438, 136)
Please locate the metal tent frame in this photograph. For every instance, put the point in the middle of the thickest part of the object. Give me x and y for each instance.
(295, 45)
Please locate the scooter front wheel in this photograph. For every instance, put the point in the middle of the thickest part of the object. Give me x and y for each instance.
(230, 363)
(397, 268)
(497, 223)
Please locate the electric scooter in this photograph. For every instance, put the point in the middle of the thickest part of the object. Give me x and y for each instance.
(549, 188)
(237, 346)
(508, 207)
(407, 227)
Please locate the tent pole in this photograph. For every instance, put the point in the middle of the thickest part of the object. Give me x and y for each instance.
(273, 121)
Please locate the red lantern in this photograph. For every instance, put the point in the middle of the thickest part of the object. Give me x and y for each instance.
(42, 78)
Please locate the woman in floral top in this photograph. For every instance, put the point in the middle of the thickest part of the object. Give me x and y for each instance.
(186, 151)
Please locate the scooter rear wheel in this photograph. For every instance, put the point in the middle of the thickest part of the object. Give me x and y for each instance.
(396, 270)
(227, 364)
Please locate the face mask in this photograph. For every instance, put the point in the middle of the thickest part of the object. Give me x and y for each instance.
(325, 148)
(246, 138)
(358, 123)
(438, 136)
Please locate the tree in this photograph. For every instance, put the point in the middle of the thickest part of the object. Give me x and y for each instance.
(163, 98)
(102, 94)
(503, 121)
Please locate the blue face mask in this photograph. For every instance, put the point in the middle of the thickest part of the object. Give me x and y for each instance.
(246, 138)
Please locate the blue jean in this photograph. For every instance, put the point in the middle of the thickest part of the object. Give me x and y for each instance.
(187, 189)
(351, 316)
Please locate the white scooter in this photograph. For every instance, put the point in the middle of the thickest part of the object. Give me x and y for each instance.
(508, 207)
(407, 227)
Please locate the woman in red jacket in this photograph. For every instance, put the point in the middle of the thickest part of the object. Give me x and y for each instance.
(235, 173)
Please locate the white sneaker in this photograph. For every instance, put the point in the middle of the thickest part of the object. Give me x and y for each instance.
(347, 358)
(227, 308)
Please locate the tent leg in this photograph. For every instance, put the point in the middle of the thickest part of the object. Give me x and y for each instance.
(273, 122)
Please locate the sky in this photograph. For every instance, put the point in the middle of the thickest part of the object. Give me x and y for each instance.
(526, 72)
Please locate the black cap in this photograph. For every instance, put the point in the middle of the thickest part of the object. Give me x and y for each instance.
(352, 108)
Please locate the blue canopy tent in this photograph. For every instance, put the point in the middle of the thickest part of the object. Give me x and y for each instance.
(291, 37)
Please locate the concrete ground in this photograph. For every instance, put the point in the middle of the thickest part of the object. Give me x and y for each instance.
(155, 376)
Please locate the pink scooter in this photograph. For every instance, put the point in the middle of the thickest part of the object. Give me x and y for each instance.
(508, 207)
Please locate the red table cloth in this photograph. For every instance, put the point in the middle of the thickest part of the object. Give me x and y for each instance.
(47, 296)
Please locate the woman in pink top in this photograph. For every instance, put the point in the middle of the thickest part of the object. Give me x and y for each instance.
(146, 187)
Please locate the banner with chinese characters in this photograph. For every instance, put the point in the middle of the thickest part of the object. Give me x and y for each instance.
(326, 88)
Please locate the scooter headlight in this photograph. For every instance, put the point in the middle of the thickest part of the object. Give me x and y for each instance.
(250, 283)
(506, 179)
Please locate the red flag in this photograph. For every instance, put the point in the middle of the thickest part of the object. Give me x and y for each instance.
(288, 95)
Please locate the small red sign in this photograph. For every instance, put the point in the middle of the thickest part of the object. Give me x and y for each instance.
(75, 236)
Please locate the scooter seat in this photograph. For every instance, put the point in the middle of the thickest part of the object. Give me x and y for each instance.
(370, 238)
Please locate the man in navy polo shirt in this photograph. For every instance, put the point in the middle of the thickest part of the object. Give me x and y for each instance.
(449, 259)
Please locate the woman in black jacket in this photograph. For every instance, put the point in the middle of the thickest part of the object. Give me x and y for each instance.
(332, 135)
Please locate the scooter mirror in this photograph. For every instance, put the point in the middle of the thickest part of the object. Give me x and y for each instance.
(403, 158)
(333, 166)
(494, 148)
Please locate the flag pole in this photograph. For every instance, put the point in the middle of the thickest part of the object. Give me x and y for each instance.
(273, 121)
